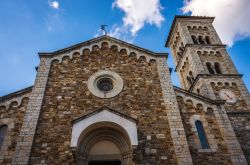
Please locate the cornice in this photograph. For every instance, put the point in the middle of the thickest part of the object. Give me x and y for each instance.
(199, 76)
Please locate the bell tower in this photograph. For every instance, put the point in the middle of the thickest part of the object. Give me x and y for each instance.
(203, 65)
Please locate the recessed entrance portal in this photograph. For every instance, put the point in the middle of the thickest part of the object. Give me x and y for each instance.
(104, 136)
(104, 143)
(105, 152)
(105, 163)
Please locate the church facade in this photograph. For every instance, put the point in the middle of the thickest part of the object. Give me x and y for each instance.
(108, 102)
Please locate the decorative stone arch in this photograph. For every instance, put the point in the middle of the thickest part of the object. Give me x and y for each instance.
(105, 45)
(115, 78)
(98, 44)
(114, 47)
(65, 58)
(118, 148)
(104, 126)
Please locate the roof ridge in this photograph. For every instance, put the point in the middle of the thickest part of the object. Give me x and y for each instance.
(13, 94)
(97, 39)
(100, 110)
(174, 22)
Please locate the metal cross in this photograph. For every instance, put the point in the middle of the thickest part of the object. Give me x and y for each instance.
(103, 28)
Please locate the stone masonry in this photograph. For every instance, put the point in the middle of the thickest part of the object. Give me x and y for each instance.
(120, 94)
(26, 136)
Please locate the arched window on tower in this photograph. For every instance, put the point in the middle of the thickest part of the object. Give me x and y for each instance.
(179, 55)
(205, 28)
(182, 45)
(210, 68)
(181, 50)
(3, 131)
(217, 68)
(207, 40)
(201, 41)
(191, 76)
(201, 134)
(189, 80)
(194, 39)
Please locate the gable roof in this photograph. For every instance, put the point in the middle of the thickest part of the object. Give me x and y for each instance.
(103, 109)
(199, 97)
(98, 39)
(16, 93)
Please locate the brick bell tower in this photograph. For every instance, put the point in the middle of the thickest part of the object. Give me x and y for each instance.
(203, 64)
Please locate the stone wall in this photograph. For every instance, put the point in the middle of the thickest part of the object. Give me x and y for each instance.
(241, 125)
(193, 109)
(12, 113)
(240, 105)
(67, 97)
(239, 113)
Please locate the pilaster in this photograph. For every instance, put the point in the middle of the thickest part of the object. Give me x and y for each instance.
(227, 131)
(27, 133)
(174, 118)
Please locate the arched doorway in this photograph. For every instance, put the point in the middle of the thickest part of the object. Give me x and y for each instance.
(104, 152)
(104, 143)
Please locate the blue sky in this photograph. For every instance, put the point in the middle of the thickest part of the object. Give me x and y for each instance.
(28, 27)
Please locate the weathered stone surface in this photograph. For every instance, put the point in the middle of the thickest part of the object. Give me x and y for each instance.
(40, 120)
(204, 67)
(241, 125)
(220, 153)
(68, 80)
(13, 117)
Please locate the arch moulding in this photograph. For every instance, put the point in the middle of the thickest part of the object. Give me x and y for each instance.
(129, 125)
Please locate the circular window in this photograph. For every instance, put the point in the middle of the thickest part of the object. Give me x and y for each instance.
(105, 84)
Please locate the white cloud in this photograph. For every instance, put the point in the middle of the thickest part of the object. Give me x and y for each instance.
(231, 16)
(121, 32)
(137, 14)
(54, 4)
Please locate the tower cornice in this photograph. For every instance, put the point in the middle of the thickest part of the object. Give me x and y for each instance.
(195, 45)
(183, 17)
(199, 76)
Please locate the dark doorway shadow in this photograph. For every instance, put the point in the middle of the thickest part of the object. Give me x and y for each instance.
(104, 163)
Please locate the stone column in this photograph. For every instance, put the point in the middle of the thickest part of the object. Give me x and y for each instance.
(174, 117)
(82, 160)
(227, 131)
(127, 158)
(27, 133)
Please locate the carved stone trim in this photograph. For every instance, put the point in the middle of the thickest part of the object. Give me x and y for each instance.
(115, 78)
(105, 117)
(107, 133)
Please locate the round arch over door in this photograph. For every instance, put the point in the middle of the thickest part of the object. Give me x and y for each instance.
(104, 142)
